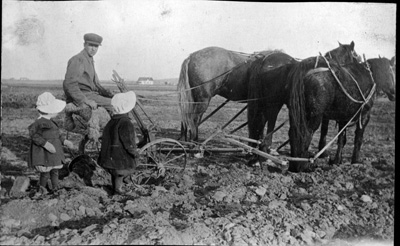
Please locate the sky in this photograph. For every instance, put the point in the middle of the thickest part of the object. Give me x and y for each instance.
(143, 38)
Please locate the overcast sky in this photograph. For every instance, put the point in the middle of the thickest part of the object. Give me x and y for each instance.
(152, 38)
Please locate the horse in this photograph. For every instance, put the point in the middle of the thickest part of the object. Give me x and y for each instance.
(390, 93)
(344, 94)
(268, 91)
(216, 71)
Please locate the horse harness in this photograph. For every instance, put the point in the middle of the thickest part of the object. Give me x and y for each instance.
(257, 55)
(364, 102)
(365, 99)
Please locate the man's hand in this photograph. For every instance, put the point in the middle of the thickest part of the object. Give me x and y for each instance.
(69, 144)
(92, 104)
(108, 93)
(49, 147)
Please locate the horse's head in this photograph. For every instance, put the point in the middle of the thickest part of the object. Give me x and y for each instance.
(383, 75)
(344, 54)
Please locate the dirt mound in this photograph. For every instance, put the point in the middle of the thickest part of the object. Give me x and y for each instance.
(215, 204)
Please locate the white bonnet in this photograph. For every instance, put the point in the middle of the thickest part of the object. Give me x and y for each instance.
(123, 102)
(47, 103)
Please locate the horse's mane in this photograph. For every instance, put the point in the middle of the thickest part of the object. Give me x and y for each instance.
(296, 102)
(297, 114)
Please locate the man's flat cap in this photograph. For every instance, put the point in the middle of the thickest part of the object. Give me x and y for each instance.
(93, 38)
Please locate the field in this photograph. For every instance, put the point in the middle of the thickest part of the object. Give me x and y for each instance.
(217, 201)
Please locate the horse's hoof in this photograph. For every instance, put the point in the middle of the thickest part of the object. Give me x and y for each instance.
(309, 168)
(333, 161)
(300, 168)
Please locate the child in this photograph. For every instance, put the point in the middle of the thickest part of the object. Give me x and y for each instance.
(46, 152)
(118, 148)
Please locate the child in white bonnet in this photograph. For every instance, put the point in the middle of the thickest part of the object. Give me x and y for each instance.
(46, 152)
(118, 148)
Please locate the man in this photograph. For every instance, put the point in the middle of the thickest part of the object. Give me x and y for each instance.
(81, 85)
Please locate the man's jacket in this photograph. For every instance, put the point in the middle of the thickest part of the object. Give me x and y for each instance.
(81, 78)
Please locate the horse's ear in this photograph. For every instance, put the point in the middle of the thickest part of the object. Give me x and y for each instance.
(352, 45)
(340, 43)
(379, 56)
(392, 61)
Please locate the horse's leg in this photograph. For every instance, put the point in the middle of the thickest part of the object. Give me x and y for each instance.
(340, 144)
(358, 139)
(183, 132)
(200, 108)
(194, 132)
(299, 148)
(256, 122)
(303, 144)
(272, 115)
(322, 139)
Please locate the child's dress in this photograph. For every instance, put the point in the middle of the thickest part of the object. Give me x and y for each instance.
(41, 131)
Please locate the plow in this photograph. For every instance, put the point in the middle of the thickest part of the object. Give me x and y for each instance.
(160, 154)
(157, 155)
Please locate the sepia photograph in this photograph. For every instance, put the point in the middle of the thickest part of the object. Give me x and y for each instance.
(197, 122)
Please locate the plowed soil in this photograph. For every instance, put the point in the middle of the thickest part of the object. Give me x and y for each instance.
(216, 200)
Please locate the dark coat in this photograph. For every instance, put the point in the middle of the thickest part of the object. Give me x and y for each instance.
(118, 147)
(41, 131)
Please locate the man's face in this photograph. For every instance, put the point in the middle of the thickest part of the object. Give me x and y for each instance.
(91, 49)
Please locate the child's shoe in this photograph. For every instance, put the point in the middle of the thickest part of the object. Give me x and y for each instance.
(41, 192)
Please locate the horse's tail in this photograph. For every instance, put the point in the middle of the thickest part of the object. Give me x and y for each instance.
(297, 108)
(185, 97)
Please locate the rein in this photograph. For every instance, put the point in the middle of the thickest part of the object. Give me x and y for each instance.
(363, 103)
(344, 89)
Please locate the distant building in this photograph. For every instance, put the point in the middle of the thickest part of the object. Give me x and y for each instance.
(145, 81)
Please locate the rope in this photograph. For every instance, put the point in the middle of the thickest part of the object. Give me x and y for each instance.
(361, 107)
(340, 84)
(174, 101)
(366, 100)
(355, 81)
(316, 61)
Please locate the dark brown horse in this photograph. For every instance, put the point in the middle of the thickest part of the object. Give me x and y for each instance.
(268, 90)
(216, 71)
(345, 96)
(386, 89)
